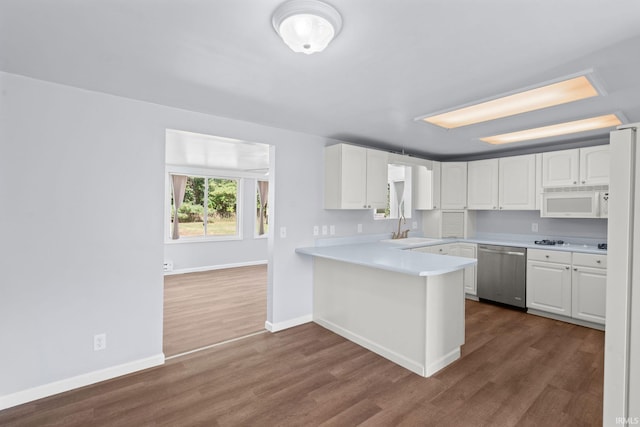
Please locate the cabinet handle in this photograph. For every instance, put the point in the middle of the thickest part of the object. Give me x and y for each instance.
(584, 182)
(567, 267)
(575, 269)
(598, 261)
(495, 207)
(546, 256)
(575, 182)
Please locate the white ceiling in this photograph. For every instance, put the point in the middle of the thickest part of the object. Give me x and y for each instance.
(213, 152)
(392, 62)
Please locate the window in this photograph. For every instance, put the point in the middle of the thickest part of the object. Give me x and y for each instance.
(398, 193)
(207, 207)
(262, 197)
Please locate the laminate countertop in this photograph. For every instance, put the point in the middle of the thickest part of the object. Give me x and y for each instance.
(390, 256)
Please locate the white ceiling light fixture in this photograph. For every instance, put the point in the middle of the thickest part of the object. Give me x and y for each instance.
(523, 101)
(593, 123)
(307, 26)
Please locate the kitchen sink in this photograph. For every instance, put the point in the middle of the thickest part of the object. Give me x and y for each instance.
(410, 240)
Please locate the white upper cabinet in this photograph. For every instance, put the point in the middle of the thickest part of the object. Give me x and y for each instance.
(594, 165)
(355, 177)
(427, 186)
(482, 184)
(517, 182)
(377, 171)
(583, 166)
(508, 183)
(454, 185)
(560, 168)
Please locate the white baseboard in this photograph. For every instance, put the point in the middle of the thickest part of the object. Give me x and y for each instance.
(554, 316)
(412, 365)
(35, 393)
(279, 326)
(445, 360)
(214, 267)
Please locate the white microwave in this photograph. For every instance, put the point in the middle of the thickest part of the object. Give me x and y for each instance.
(575, 204)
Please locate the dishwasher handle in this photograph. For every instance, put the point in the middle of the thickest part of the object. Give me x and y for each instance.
(501, 252)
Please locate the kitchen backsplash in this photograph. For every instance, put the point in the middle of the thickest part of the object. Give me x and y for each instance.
(519, 222)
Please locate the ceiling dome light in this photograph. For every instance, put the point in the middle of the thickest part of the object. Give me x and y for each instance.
(306, 26)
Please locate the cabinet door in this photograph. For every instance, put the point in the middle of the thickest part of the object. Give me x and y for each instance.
(426, 195)
(560, 168)
(345, 177)
(376, 178)
(470, 282)
(549, 287)
(589, 288)
(594, 165)
(517, 189)
(482, 184)
(454, 185)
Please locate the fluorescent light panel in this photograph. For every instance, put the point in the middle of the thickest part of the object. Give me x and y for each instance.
(535, 99)
(600, 122)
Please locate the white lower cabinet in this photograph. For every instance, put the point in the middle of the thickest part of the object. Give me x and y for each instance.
(464, 250)
(549, 287)
(589, 293)
(567, 284)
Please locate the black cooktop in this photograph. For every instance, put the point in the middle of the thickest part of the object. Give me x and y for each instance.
(549, 242)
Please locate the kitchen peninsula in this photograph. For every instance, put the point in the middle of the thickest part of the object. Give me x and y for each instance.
(403, 305)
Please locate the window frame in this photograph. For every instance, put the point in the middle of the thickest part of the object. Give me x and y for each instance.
(208, 174)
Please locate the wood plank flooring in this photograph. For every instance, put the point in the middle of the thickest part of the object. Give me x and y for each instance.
(213, 306)
(515, 369)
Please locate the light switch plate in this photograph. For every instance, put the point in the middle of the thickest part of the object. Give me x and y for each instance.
(283, 232)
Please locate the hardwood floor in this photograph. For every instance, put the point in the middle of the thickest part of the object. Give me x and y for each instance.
(213, 306)
(515, 369)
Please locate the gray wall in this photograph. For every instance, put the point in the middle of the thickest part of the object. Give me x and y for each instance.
(82, 185)
(519, 222)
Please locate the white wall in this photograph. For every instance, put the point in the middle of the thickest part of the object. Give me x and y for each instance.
(206, 255)
(82, 185)
(519, 222)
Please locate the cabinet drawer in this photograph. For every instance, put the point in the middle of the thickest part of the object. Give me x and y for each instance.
(549, 256)
(590, 260)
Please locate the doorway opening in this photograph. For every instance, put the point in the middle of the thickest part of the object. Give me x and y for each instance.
(217, 215)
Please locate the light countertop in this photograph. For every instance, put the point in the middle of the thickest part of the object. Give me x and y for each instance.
(389, 256)
(372, 251)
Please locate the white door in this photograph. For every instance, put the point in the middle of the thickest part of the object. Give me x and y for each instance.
(454, 185)
(589, 289)
(549, 287)
(560, 168)
(482, 184)
(594, 165)
(517, 189)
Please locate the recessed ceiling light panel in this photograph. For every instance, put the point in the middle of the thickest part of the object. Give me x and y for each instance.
(593, 123)
(549, 95)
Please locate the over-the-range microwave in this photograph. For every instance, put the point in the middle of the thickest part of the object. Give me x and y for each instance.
(575, 204)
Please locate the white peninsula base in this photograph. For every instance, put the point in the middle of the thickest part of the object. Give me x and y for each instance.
(414, 321)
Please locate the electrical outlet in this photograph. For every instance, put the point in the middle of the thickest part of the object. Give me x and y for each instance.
(332, 230)
(283, 232)
(359, 228)
(167, 266)
(316, 230)
(325, 230)
(414, 225)
(99, 342)
(534, 227)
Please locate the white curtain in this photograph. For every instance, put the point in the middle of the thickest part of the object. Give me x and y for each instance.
(179, 184)
(263, 192)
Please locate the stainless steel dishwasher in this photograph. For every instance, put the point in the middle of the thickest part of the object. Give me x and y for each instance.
(502, 272)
